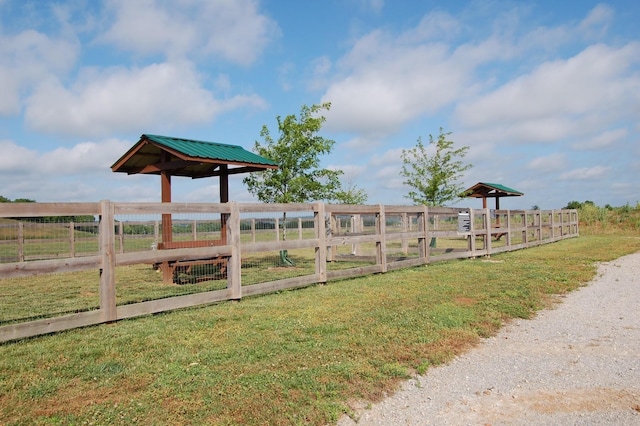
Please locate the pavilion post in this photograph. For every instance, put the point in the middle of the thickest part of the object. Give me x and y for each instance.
(167, 224)
(224, 198)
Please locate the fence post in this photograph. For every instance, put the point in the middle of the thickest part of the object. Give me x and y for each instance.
(508, 238)
(423, 226)
(194, 229)
(472, 233)
(234, 276)
(156, 232)
(108, 269)
(121, 237)
(331, 251)
(20, 241)
(382, 245)
(72, 239)
(299, 228)
(539, 216)
(321, 249)
(487, 229)
(354, 247)
(405, 226)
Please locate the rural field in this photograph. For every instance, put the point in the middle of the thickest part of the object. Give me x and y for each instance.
(296, 357)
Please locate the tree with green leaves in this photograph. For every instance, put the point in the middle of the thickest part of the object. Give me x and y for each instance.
(434, 179)
(351, 194)
(297, 150)
(299, 177)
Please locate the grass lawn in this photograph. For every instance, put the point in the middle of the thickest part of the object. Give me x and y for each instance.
(294, 357)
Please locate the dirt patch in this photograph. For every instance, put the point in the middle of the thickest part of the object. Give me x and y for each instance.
(506, 408)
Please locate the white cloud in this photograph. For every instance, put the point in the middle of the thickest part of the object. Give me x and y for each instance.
(207, 194)
(603, 140)
(26, 58)
(83, 158)
(549, 163)
(388, 84)
(598, 79)
(15, 159)
(359, 144)
(593, 27)
(585, 173)
(102, 102)
(387, 79)
(391, 156)
(434, 25)
(233, 30)
(73, 173)
(597, 21)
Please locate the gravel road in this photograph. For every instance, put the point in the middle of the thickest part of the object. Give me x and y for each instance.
(576, 364)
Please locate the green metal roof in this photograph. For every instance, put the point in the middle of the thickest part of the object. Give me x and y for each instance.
(154, 154)
(502, 188)
(210, 150)
(484, 189)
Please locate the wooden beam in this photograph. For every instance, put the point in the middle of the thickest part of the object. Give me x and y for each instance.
(224, 198)
(159, 167)
(132, 151)
(233, 171)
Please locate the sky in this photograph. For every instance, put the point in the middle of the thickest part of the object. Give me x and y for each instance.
(546, 94)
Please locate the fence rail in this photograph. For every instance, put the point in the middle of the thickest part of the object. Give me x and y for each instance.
(85, 273)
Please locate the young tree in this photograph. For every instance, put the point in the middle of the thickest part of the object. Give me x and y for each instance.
(299, 177)
(351, 194)
(434, 178)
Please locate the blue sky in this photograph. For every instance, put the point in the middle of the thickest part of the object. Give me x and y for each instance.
(546, 94)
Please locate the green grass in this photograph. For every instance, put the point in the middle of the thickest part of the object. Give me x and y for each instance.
(294, 357)
(51, 295)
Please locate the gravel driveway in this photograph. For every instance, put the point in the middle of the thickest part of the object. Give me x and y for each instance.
(576, 364)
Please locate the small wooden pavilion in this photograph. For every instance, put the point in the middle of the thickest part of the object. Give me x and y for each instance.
(169, 156)
(491, 190)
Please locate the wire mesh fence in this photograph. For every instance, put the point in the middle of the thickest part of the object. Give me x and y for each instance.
(260, 265)
(116, 260)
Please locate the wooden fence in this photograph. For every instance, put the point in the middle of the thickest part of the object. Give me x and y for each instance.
(339, 241)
